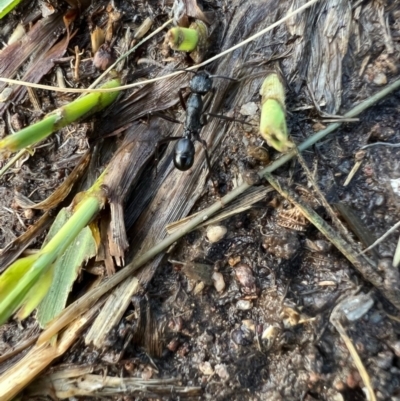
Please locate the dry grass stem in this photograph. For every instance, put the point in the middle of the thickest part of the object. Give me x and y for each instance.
(338, 312)
(384, 236)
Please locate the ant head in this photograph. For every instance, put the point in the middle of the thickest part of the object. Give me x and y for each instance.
(201, 82)
(184, 154)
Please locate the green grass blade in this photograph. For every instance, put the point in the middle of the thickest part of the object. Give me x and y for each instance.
(66, 269)
(14, 273)
(6, 6)
(26, 272)
(18, 290)
(36, 294)
(60, 118)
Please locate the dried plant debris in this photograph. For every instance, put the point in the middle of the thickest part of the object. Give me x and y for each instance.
(245, 314)
(292, 218)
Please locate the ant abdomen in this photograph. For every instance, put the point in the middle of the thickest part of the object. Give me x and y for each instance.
(184, 154)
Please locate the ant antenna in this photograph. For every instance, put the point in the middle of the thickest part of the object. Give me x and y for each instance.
(224, 77)
(186, 70)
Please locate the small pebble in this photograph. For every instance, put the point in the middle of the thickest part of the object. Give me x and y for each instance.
(206, 368)
(244, 275)
(376, 317)
(103, 58)
(176, 324)
(242, 337)
(222, 371)
(384, 359)
(270, 333)
(234, 260)
(379, 200)
(219, 282)
(380, 79)
(244, 304)
(198, 288)
(29, 213)
(337, 397)
(396, 348)
(249, 109)
(395, 183)
(173, 345)
(249, 324)
(216, 233)
(147, 373)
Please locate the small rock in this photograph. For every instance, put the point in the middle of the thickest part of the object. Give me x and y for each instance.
(206, 368)
(29, 213)
(337, 397)
(173, 345)
(219, 282)
(396, 348)
(104, 57)
(249, 109)
(242, 336)
(379, 200)
(395, 183)
(216, 233)
(206, 337)
(353, 380)
(244, 304)
(380, 79)
(147, 373)
(244, 274)
(198, 288)
(249, 324)
(376, 317)
(234, 260)
(176, 324)
(222, 371)
(384, 359)
(270, 334)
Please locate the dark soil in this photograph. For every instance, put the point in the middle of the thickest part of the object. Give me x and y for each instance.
(267, 335)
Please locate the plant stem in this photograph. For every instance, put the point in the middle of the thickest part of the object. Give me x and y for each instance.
(60, 118)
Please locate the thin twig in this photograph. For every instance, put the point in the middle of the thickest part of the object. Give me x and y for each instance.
(338, 224)
(392, 145)
(13, 160)
(335, 319)
(396, 257)
(380, 239)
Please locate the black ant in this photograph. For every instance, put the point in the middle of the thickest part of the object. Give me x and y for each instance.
(184, 150)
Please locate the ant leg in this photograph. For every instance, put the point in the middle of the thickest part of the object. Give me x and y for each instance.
(210, 173)
(222, 117)
(182, 100)
(160, 143)
(165, 117)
